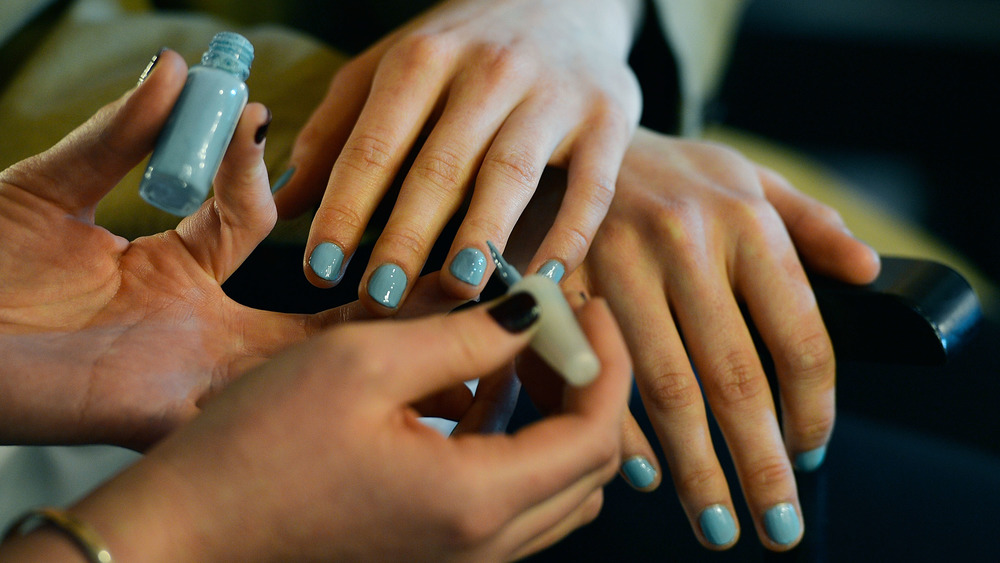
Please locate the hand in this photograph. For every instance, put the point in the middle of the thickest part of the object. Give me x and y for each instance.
(501, 88)
(320, 455)
(694, 231)
(106, 340)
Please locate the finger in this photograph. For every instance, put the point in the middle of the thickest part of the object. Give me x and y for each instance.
(223, 232)
(405, 90)
(738, 391)
(426, 299)
(436, 184)
(496, 397)
(321, 139)
(87, 163)
(819, 232)
(785, 312)
(593, 171)
(553, 520)
(506, 182)
(674, 403)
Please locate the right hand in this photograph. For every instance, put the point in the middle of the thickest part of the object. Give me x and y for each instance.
(318, 454)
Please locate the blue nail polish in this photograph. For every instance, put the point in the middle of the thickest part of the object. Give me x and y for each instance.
(639, 472)
(717, 525)
(282, 180)
(469, 266)
(811, 460)
(326, 260)
(553, 269)
(201, 124)
(782, 523)
(387, 284)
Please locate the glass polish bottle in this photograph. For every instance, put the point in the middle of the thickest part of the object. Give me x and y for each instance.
(201, 124)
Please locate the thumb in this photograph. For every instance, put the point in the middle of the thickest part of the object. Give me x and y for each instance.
(79, 170)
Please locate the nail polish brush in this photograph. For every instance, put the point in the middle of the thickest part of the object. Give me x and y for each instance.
(558, 340)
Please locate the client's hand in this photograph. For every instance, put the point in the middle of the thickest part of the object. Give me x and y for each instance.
(696, 231)
(114, 341)
(318, 455)
(499, 88)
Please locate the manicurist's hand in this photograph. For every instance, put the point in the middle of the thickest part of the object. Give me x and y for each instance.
(695, 231)
(486, 93)
(318, 455)
(107, 340)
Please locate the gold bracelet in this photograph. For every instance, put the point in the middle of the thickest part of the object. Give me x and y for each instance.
(85, 537)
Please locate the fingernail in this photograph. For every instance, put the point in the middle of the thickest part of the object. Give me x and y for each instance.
(782, 524)
(516, 313)
(387, 284)
(811, 460)
(326, 260)
(639, 473)
(469, 266)
(149, 66)
(553, 269)
(261, 133)
(717, 525)
(282, 180)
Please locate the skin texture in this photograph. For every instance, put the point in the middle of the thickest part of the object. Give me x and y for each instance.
(106, 340)
(319, 452)
(484, 94)
(694, 232)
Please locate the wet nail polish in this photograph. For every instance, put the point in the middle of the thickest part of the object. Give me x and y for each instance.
(553, 269)
(387, 284)
(811, 460)
(201, 124)
(326, 260)
(717, 525)
(639, 472)
(282, 180)
(469, 266)
(516, 312)
(261, 132)
(782, 523)
(149, 66)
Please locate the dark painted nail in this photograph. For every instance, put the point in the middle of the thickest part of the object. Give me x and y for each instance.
(261, 133)
(516, 313)
(149, 66)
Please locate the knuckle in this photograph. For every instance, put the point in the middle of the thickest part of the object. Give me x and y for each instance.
(404, 240)
(514, 167)
(811, 359)
(417, 50)
(499, 63)
(443, 168)
(700, 478)
(343, 215)
(671, 392)
(816, 429)
(740, 379)
(773, 472)
(368, 153)
(472, 518)
(591, 507)
(487, 225)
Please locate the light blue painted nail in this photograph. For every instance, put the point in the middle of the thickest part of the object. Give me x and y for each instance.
(782, 523)
(811, 460)
(282, 180)
(326, 260)
(717, 525)
(639, 472)
(387, 284)
(469, 266)
(553, 269)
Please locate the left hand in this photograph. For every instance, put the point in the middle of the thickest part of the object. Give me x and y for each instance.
(501, 88)
(106, 340)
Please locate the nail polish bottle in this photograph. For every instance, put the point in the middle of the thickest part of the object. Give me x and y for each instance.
(201, 124)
